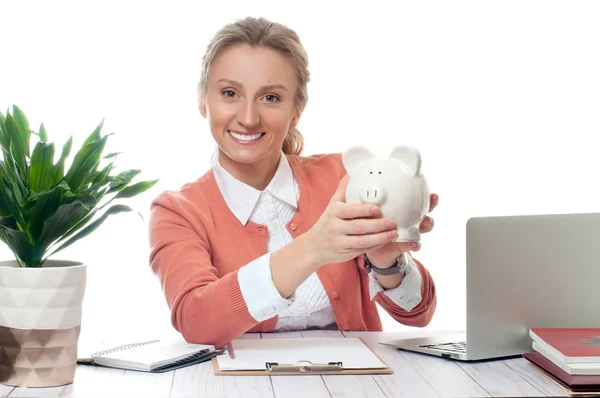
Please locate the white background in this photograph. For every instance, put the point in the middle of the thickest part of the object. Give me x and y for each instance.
(502, 98)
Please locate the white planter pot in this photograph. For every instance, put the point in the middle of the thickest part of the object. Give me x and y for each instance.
(40, 321)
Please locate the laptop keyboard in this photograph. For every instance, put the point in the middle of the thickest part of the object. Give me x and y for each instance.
(459, 347)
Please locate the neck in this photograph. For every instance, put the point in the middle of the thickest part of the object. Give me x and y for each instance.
(258, 175)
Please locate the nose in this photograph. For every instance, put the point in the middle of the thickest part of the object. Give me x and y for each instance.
(248, 115)
(375, 195)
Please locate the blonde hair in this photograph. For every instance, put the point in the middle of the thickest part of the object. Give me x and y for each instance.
(258, 32)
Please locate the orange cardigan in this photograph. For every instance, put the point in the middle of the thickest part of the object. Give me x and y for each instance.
(197, 246)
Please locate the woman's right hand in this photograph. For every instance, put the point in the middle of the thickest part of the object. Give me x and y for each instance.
(346, 230)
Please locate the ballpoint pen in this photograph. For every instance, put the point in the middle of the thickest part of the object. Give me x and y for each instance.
(230, 350)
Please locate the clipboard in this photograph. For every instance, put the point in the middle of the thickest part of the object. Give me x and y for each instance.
(303, 366)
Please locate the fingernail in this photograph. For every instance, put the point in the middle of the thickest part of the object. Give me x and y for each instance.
(374, 210)
(390, 224)
(416, 246)
(392, 234)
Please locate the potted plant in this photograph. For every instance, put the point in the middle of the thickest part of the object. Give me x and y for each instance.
(44, 208)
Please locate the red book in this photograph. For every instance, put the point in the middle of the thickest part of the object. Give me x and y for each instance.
(570, 345)
(572, 381)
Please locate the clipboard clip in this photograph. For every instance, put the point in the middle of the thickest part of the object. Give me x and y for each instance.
(304, 367)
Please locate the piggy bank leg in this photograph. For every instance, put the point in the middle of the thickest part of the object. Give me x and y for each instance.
(411, 234)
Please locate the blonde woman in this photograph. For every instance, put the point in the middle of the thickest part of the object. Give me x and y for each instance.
(264, 241)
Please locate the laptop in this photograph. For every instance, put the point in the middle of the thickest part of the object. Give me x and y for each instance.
(522, 272)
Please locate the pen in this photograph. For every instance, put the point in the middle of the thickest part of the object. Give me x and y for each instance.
(230, 350)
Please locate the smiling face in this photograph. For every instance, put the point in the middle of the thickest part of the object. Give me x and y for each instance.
(250, 104)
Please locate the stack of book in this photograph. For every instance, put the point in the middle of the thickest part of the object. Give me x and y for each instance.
(568, 356)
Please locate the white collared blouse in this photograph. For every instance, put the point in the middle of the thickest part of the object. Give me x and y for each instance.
(309, 306)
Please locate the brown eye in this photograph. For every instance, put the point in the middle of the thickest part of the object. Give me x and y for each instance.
(271, 98)
(228, 93)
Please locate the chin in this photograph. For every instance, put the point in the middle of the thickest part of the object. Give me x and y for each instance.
(247, 155)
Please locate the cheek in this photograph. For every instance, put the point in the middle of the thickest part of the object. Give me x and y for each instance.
(277, 119)
(218, 113)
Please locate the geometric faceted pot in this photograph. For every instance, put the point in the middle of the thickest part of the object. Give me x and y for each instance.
(40, 321)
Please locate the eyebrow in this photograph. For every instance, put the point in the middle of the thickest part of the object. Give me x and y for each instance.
(267, 87)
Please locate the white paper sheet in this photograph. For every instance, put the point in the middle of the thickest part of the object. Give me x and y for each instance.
(253, 354)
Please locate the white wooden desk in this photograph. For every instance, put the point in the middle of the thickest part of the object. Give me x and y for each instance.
(415, 375)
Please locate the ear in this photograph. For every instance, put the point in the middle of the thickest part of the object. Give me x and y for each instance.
(202, 107)
(295, 120)
(409, 156)
(356, 155)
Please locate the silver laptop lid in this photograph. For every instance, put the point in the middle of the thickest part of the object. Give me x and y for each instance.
(529, 271)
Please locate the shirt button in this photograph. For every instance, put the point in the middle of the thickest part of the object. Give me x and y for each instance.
(335, 295)
(293, 226)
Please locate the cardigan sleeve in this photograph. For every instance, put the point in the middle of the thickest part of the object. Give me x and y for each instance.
(408, 294)
(422, 313)
(205, 308)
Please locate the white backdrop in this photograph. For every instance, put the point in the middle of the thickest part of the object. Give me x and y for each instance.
(502, 99)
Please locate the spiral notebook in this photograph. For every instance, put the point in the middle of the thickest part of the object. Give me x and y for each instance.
(152, 356)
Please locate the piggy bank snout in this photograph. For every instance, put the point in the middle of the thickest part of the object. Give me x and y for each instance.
(373, 194)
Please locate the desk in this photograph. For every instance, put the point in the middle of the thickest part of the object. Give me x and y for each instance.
(415, 375)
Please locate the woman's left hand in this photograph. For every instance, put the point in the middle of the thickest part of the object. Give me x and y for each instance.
(385, 256)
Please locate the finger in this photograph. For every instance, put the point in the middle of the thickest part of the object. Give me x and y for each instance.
(355, 210)
(340, 192)
(426, 225)
(433, 201)
(373, 248)
(361, 226)
(363, 242)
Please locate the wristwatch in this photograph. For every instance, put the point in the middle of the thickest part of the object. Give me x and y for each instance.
(398, 268)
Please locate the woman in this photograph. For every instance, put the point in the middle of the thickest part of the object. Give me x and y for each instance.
(264, 241)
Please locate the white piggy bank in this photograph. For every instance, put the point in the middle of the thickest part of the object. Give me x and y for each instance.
(394, 183)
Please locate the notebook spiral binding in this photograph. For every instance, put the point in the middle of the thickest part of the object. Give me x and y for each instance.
(123, 347)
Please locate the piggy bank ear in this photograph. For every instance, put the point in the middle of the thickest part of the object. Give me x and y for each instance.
(356, 155)
(409, 156)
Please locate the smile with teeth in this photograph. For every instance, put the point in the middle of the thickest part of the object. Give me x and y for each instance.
(245, 137)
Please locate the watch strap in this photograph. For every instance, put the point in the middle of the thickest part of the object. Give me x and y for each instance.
(398, 268)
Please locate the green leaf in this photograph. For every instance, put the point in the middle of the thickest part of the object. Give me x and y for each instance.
(14, 207)
(123, 179)
(101, 176)
(95, 136)
(23, 126)
(86, 159)
(18, 142)
(135, 189)
(45, 205)
(41, 171)
(5, 206)
(4, 136)
(43, 134)
(131, 191)
(92, 227)
(18, 243)
(90, 202)
(59, 167)
(112, 155)
(66, 217)
(14, 181)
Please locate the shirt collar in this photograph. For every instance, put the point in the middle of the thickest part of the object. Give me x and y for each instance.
(242, 198)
